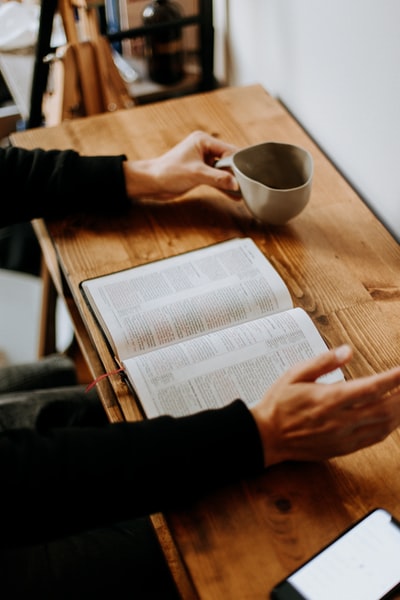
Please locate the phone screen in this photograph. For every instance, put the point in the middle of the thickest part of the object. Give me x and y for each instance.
(362, 564)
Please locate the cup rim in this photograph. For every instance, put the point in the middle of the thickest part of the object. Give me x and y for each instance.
(277, 143)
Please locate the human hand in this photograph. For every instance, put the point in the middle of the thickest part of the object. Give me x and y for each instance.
(183, 167)
(299, 419)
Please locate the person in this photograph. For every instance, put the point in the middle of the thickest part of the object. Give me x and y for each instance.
(75, 500)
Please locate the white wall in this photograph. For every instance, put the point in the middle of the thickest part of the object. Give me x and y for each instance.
(336, 65)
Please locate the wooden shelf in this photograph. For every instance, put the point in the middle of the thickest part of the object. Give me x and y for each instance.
(143, 90)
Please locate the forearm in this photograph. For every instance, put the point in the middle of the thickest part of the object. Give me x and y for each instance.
(82, 478)
(58, 183)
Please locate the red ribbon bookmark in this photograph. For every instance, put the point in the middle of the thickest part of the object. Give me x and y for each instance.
(96, 381)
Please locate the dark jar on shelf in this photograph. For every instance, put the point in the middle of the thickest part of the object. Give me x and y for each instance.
(164, 48)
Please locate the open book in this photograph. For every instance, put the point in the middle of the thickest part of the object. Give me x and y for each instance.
(200, 329)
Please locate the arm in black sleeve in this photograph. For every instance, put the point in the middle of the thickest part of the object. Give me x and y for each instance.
(75, 479)
(57, 183)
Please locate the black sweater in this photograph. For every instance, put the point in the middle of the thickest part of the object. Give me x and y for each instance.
(73, 479)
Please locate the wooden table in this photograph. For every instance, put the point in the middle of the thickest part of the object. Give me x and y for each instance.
(341, 265)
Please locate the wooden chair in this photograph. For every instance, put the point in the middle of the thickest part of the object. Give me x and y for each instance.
(82, 80)
(85, 81)
(83, 75)
(203, 20)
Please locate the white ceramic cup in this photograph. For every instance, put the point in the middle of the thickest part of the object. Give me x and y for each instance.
(274, 178)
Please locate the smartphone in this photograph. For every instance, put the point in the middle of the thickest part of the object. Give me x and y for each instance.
(363, 563)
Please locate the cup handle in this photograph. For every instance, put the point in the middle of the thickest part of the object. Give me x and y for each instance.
(224, 163)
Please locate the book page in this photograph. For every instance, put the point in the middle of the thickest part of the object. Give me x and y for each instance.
(238, 362)
(166, 301)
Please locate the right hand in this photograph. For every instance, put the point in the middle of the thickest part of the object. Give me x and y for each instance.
(186, 165)
(301, 419)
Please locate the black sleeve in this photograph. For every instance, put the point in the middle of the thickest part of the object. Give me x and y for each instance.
(78, 478)
(56, 183)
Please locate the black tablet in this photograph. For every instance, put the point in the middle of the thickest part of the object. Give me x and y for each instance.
(363, 563)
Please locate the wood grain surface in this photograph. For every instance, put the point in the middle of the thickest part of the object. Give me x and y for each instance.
(340, 264)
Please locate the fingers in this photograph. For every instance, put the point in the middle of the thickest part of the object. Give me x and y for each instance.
(314, 368)
(356, 392)
(367, 390)
(370, 424)
(212, 147)
(223, 180)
